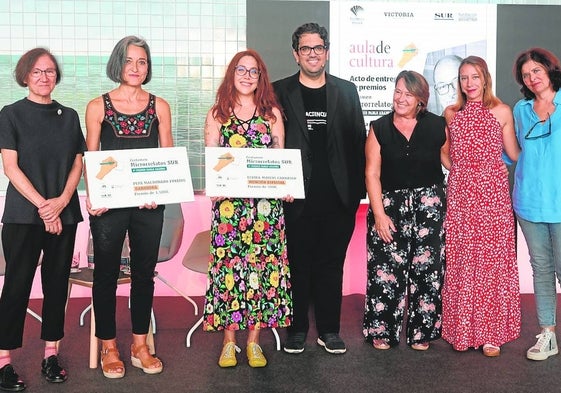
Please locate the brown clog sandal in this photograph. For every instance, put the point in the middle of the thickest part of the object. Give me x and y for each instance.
(141, 358)
(114, 369)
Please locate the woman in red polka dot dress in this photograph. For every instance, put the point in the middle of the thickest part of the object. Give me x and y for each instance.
(481, 300)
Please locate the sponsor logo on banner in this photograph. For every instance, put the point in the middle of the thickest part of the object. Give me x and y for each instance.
(357, 9)
(467, 17)
(398, 14)
(443, 16)
(356, 18)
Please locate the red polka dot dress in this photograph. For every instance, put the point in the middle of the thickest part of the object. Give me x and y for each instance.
(481, 300)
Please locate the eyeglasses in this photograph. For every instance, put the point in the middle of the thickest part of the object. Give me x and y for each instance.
(318, 50)
(253, 72)
(442, 88)
(49, 72)
(544, 135)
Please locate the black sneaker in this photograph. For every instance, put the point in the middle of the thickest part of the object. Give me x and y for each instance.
(295, 343)
(52, 371)
(9, 380)
(332, 343)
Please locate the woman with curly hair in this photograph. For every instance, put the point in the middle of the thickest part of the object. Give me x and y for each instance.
(248, 274)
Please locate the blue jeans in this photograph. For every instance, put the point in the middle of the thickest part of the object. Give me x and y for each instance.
(544, 245)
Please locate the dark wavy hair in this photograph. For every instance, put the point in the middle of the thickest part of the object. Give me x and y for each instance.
(27, 62)
(264, 96)
(547, 59)
(310, 28)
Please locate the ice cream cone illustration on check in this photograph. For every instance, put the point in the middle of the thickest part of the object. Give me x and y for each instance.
(223, 160)
(409, 52)
(105, 167)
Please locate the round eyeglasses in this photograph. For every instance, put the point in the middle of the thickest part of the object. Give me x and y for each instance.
(253, 72)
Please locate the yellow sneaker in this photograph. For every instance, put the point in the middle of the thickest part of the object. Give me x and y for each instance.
(255, 355)
(228, 355)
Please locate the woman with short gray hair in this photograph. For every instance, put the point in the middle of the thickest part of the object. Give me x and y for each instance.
(127, 117)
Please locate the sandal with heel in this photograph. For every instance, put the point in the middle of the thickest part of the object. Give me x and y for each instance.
(141, 358)
(111, 369)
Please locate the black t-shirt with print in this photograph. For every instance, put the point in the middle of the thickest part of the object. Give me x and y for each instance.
(322, 195)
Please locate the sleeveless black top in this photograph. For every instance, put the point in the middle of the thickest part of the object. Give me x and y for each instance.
(412, 163)
(123, 131)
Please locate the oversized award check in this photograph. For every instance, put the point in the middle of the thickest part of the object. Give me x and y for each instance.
(133, 177)
(253, 173)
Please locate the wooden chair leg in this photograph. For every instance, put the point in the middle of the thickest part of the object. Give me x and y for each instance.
(150, 340)
(94, 344)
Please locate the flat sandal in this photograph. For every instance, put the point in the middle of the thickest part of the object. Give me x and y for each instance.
(381, 344)
(491, 351)
(422, 346)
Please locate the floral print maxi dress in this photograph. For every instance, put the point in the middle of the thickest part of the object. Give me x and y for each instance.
(480, 298)
(249, 277)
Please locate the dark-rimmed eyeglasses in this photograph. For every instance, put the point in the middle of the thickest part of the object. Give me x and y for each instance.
(543, 135)
(442, 88)
(49, 72)
(318, 50)
(253, 72)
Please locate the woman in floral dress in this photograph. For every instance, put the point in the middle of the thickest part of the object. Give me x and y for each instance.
(249, 285)
(405, 235)
(481, 302)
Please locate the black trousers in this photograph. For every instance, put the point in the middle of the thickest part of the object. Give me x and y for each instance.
(108, 233)
(317, 247)
(22, 244)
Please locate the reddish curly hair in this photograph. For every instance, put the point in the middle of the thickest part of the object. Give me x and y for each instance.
(264, 95)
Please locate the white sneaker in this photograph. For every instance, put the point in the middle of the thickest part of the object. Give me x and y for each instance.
(545, 347)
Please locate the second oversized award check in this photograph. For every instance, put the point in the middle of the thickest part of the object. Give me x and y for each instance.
(253, 173)
(133, 177)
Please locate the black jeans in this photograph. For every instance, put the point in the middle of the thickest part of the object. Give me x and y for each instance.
(144, 227)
